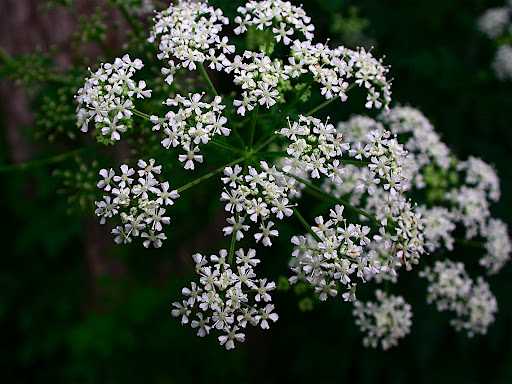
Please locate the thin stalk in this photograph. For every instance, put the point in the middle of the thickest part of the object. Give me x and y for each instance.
(141, 114)
(344, 202)
(321, 106)
(305, 224)
(4, 56)
(132, 22)
(225, 146)
(208, 175)
(327, 102)
(272, 154)
(470, 243)
(266, 142)
(253, 126)
(207, 79)
(40, 162)
(359, 163)
(232, 244)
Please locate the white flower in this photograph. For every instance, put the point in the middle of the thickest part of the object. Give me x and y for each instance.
(482, 176)
(266, 233)
(438, 225)
(189, 33)
(195, 123)
(502, 64)
(227, 300)
(495, 21)
(267, 314)
(383, 322)
(258, 76)
(316, 146)
(106, 97)
(261, 195)
(334, 69)
(497, 245)
(334, 257)
(451, 289)
(292, 20)
(140, 204)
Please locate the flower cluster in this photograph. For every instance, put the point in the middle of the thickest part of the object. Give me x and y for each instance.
(438, 223)
(257, 196)
(372, 167)
(333, 257)
(497, 245)
(385, 321)
(287, 21)
(451, 289)
(502, 64)
(227, 300)
(400, 241)
(317, 147)
(107, 98)
(139, 199)
(258, 76)
(496, 23)
(424, 146)
(387, 158)
(481, 176)
(470, 207)
(189, 33)
(195, 122)
(423, 143)
(333, 69)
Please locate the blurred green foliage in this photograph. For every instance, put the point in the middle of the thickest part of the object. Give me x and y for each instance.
(62, 324)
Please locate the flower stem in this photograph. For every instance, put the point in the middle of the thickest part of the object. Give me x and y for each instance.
(208, 175)
(132, 22)
(253, 126)
(266, 142)
(207, 79)
(225, 146)
(344, 202)
(232, 244)
(40, 162)
(305, 224)
(470, 243)
(141, 114)
(321, 106)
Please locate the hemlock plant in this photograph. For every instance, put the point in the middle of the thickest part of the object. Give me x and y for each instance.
(251, 90)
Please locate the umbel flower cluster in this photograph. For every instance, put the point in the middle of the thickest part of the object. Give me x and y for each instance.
(140, 200)
(395, 191)
(384, 321)
(227, 299)
(496, 24)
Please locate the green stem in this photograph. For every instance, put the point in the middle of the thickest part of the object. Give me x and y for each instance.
(4, 56)
(141, 114)
(470, 243)
(253, 126)
(225, 146)
(232, 244)
(305, 224)
(266, 142)
(359, 163)
(321, 106)
(207, 79)
(209, 175)
(335, 199)
(327, 102)
(40, 162)
(134, 24)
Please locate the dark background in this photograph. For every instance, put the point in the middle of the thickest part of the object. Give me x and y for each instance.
(74, 309)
